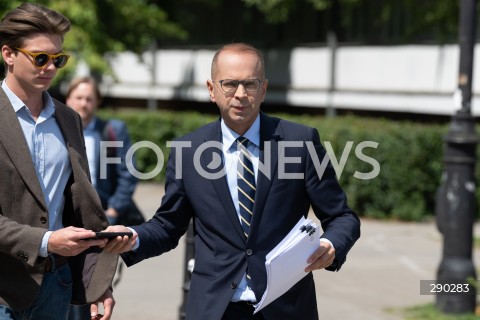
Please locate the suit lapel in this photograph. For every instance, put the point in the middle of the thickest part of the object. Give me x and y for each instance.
(270, 134)
(66, 125)
(220, 185)
(70, 130)
(13, 140)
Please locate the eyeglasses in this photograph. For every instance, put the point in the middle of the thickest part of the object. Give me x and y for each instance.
(229, 85)
(40, 59)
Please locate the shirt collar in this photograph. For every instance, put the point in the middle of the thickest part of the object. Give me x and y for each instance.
(49, 107)
(229, 136)
(14, 100)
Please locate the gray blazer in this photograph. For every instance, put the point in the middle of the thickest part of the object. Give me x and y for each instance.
(24, 216)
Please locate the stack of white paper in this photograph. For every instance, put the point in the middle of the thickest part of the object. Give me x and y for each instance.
(286, 263)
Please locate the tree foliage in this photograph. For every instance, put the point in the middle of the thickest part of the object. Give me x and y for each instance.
(408, 20)
(109, 26)
(101, 26)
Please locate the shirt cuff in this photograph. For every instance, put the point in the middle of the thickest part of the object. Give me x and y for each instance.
(43, 251)
(326, 240)
(137, 242)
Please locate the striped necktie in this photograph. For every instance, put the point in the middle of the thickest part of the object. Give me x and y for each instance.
(246, 189)
(245, 184)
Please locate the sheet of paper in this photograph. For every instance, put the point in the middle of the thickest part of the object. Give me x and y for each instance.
(292, 234)
(286, 263)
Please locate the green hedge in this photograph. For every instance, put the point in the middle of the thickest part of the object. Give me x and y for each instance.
(409, 155)
(157, 127)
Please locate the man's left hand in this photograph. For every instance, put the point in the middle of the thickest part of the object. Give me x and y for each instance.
(322, 257)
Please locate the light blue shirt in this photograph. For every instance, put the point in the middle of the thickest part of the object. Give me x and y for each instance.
(49, 156)
(230, 156)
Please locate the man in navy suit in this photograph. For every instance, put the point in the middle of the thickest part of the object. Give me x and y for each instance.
(229, 273)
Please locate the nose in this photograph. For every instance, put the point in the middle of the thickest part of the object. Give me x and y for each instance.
(241, 91)
(83, 103)
(49, 65)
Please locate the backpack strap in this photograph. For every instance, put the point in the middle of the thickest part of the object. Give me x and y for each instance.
(108, 132)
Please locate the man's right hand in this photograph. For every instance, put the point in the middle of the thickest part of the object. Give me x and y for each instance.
(71, 241)
(120, 244)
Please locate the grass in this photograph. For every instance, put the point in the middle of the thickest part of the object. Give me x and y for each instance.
(429, 312)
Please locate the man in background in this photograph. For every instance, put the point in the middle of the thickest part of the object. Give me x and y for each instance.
(117, 185)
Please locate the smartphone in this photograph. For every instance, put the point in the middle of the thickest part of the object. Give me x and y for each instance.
(110, 235)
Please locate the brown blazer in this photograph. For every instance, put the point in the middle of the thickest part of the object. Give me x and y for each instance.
(24, 216)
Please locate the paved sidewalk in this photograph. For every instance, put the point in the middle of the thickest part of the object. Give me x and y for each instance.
(381, 276)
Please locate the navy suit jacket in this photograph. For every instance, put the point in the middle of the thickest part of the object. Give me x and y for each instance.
(221, 256)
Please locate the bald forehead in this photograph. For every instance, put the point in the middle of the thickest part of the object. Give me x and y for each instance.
(227, 53)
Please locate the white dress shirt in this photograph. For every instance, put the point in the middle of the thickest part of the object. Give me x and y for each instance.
(230, 156)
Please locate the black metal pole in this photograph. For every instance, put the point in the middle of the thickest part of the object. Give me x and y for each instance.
(333, 34)
(189, 263)
(467, 45)
(456, 203)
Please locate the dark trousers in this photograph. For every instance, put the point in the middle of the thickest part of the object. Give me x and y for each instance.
(79, 312)
(241, 311)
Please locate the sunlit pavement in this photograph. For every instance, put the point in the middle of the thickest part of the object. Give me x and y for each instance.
(380, 278)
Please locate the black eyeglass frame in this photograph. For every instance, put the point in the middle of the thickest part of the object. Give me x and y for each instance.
(238, 82)
(54, 57)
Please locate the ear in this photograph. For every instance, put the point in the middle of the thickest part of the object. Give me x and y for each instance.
(264, 89)
(211, 90)
(7, 55)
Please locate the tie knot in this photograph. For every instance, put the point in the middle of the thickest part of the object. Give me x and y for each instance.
(243, 141)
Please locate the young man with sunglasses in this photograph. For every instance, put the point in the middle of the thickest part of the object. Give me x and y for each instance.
(48, 207)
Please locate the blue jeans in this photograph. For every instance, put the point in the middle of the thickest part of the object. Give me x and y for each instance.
(52, 302)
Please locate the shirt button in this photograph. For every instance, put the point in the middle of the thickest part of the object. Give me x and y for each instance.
(43, 220)
(233, 285)
(249, 252)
